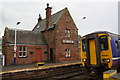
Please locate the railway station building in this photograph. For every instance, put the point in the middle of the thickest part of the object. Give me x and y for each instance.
(53, 39)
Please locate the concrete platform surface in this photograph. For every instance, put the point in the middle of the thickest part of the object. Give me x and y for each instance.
(19, 67)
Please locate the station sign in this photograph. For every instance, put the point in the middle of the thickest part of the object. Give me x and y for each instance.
(68, 41)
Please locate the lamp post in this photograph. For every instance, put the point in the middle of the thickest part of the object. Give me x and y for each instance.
(15, 47)
(81, 32)
(82, 23)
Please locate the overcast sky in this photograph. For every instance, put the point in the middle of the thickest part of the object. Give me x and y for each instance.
(101, 15)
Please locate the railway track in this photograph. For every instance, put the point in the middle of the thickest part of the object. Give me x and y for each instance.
(71, 72)
(63, 74)
(76, 73)
(67, 75)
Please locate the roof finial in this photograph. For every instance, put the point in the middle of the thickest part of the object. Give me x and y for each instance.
(40, 16)
(47, 4)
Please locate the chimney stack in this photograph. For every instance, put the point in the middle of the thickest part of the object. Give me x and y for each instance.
(48, 16)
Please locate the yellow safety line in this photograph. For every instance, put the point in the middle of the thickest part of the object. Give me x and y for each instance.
(45, 67)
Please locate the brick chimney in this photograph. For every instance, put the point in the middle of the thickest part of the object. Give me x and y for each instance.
(48, 16)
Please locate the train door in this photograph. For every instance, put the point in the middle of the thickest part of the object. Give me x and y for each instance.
(92, 50)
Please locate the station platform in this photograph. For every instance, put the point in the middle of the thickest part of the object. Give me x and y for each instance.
(28, 67)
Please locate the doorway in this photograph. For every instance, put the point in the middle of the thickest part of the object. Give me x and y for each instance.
(92, 50)
(38, 55)
(51, 55)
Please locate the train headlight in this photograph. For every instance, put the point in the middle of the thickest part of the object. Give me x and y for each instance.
(84, 60)
(105, 60)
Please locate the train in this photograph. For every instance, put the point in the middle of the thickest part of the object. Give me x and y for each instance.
(100, 51)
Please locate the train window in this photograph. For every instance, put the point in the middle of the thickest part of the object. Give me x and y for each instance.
(83, 45)
(117, 45)
(103, 42)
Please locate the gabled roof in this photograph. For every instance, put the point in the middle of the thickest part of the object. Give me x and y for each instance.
(42, 23)
(26, 37)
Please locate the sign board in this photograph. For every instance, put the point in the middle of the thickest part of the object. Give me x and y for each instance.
(68, 41)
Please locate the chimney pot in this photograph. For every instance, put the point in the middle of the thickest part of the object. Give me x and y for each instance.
(48, 16)
(47, 4)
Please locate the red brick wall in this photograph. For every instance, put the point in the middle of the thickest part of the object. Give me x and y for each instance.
(50, 38)
(6, 49)
(55, 36)
(31, 58)
(66, 22)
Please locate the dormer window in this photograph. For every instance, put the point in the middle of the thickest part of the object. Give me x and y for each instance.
(67, 33)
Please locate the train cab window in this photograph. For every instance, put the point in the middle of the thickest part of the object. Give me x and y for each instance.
(103, 42)
(83, 45)
(117, 44)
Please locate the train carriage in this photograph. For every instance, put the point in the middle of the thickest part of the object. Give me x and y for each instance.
(100, 51)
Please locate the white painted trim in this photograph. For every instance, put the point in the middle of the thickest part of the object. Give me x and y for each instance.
(22, 51)
(115, 58)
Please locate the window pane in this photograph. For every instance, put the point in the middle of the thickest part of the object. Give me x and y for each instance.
(117, 45)
(24, 48)
(24, 53)
(102, 46)
(20, 53)
(20, 48)
(67, 33)
(67, 52)
(104, 42)
(83, 45)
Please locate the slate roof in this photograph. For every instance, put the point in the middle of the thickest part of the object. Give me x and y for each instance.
(26, 37)
(42, 23)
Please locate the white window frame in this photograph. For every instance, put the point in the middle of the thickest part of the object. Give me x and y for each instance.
(67, 32)
(67, 51)
(22, 51)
